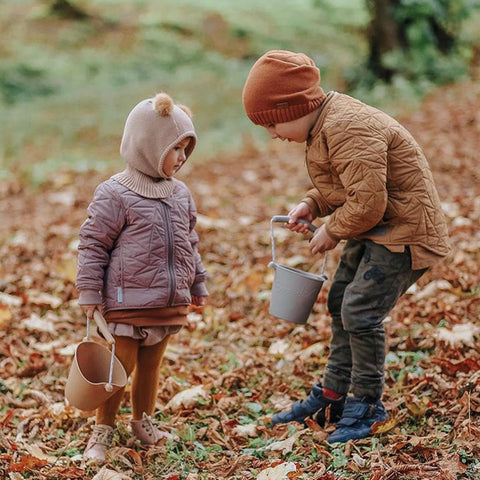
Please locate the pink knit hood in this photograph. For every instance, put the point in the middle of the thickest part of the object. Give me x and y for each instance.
(152, 129)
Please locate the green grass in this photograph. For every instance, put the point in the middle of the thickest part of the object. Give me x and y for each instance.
(66, 87)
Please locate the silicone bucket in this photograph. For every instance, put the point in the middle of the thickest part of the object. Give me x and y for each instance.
(96, 373)
(294, 292)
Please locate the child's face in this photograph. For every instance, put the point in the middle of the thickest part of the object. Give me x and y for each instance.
(294, 131)
(175, 158)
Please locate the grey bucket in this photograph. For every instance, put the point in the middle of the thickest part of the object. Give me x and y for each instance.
(294, 292)
(96, 373)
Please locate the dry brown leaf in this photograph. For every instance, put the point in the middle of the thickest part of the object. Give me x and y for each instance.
(187, 398)
(5, 317)
(226, 344)
(107, 474)
(279, 472)
(385, 426)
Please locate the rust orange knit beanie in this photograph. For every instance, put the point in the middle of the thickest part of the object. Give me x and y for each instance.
(282, 86)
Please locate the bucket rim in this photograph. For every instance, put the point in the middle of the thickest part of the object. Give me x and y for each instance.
(313, 276)
(117, 364)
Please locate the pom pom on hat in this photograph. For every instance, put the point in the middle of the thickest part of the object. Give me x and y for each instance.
(163, 104)
(282, 86)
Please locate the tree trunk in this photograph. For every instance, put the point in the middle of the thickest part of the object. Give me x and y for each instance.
(384, 35)
(387, 31)
(66, 9)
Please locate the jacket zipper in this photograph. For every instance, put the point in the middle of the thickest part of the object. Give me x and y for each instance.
(170, 268)
(121, 287)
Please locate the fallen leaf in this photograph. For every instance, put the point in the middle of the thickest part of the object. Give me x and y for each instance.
(360, 461)
(462, 333)
(5, 317)
(67, 473)
(279, 347)
(285, 446)
(416, 409)
(26, 463)
(280, 472)
(38, 324)
(107, 474)
(10, 300)
(187, 398)
(432, 288)
(249, 430)
(36, 451)
(42, 298)
(451, 368)
(315, 350)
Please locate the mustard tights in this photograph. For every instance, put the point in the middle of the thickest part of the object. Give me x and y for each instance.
(146, 361)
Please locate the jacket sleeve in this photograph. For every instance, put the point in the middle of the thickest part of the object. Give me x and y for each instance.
(317, 203)
(199, 287)
(358, 153)
(106, 218)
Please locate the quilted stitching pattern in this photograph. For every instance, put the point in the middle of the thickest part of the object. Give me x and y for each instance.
(145, 247)
(369, 171)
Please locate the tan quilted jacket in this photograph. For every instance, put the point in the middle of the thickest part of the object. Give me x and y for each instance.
(372, 178)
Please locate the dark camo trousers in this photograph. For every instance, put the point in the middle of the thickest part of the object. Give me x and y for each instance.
(366, 286)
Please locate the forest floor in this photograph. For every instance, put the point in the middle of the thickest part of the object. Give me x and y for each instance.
(234, 363)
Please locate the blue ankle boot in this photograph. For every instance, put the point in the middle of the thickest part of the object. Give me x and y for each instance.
(357, 420)
(314, 406)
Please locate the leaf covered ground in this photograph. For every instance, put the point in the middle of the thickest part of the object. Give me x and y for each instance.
(234, 363)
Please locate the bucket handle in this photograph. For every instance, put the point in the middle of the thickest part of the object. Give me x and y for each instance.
(286, 219)
(102, 326)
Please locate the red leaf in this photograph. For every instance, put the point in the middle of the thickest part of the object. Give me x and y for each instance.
(449, 368)
(5, 420)
(27, 462)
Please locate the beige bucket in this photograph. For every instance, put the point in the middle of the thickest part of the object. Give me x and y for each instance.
(96, 373)
(294, 292)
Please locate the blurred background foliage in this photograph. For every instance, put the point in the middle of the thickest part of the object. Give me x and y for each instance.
(71, 70)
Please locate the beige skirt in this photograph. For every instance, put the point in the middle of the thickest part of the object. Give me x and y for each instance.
(150, 325)
(148, 335)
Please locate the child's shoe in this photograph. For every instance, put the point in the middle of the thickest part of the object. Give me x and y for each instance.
(98, 444)
(357, 420)
(316, 406)
(147, 432)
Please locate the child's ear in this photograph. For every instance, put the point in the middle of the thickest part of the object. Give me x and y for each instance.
(186, 110)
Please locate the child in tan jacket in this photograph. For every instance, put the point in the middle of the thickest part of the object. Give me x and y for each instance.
(373, 183)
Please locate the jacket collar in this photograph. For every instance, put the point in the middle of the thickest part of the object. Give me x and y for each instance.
(321, 116)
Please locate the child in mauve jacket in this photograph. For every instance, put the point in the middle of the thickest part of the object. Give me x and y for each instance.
(138, 261)
(372, 181)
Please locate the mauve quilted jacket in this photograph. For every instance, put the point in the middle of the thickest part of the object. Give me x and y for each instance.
(372, 178)
(137, 252)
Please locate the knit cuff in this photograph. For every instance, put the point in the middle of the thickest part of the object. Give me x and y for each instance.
(331, 235)
(89, 297)
(199, 289)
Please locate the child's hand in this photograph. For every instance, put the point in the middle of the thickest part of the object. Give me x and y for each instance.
(90, 309)
(322, 241)
(199, 301)
(302, 210)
